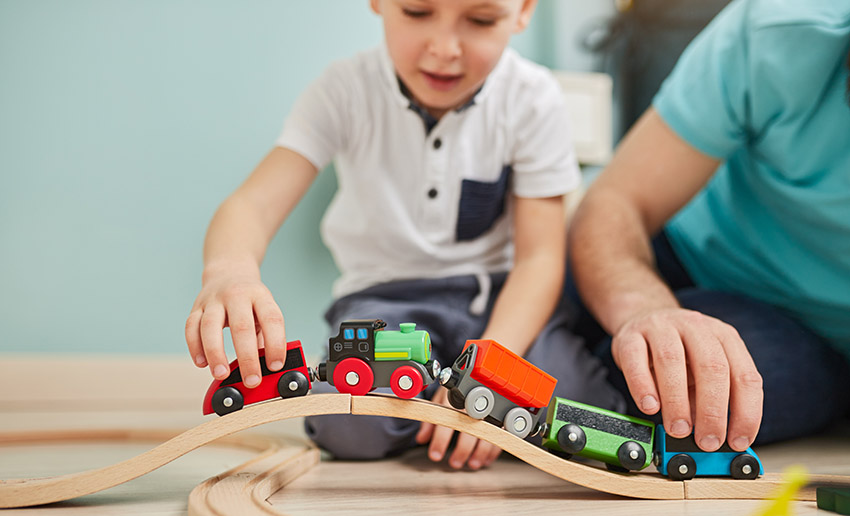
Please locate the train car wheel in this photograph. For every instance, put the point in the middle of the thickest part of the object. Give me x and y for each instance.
(479, 402)
(406, 382)
(519, 422)
(571, 438)
(292, 384)
(631, 455)
(353, 376)
(456, 399)
(681, 467)
(745, 467)
(227, 400)
(615, 468)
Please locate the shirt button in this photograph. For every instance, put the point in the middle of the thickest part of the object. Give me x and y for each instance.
(438, 143)
(432, 193)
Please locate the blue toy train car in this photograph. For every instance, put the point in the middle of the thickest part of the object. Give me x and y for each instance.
(681, 459)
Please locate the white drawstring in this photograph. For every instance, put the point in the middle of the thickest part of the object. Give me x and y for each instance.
(479, 302)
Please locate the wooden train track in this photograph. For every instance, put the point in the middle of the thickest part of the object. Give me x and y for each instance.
(260, 478)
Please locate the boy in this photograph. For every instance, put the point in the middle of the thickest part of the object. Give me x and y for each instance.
(429, 134)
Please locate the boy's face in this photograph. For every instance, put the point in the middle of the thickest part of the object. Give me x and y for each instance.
(443, 50)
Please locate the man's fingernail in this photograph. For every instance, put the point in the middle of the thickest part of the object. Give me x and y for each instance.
(220, 370)
(276, 365)
(740, 443)
(474, 464)
(710, 443)
(200, 360)
(680, 428)
(252, 380)
(435, 456)
(648, 403)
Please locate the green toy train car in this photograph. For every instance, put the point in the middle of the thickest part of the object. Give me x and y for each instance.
(364, 356)
(623, 443)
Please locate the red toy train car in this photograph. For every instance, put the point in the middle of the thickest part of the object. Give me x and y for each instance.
(229, 395)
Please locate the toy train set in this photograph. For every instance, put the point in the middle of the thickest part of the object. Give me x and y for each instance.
(489, 382)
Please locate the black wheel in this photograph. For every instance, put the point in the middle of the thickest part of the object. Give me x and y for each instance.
(571, 438)
(456, 399)
(227, 400)
(559, 453)
(745, 467)
(631, 455)
(615, 468)
(292, 384)
(681, 467)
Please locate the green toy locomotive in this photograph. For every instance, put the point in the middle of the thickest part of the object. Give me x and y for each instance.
(364, 356)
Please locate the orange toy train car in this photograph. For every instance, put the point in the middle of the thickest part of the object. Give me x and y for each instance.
(495, 384)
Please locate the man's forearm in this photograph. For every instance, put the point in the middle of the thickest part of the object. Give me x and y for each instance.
(613, 264)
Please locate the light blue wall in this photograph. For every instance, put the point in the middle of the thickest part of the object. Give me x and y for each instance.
(123, 125)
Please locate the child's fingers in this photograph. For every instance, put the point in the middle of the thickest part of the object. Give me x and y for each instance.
(492, 456)
(193, 338)
(440, 440)
(478, 459)
(240, 315)
(426, 430)
(270, 319)
(212, 323)
(464, 447)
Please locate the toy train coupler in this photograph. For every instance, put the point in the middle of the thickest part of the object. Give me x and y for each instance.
(448, 378)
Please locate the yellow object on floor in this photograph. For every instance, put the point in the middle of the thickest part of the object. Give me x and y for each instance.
(794, 478)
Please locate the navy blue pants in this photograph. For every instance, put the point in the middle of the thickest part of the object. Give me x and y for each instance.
(441, 307)
(806, 382)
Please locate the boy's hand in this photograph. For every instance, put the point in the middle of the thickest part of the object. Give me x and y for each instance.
(698, 370)
(244, 304)
(468, 449)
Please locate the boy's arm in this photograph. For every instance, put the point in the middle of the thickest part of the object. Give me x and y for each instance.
(232, 293)
(523, 307)
(657, 344)
(533, 286)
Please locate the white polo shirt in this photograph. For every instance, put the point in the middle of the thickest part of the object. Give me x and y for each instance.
(413, 204)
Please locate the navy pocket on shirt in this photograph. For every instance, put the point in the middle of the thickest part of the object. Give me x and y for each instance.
(481, 205)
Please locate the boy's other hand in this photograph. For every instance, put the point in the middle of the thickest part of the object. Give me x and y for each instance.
(468, 449)
(245, 305)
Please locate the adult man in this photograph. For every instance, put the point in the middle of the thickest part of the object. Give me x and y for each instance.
(741, 305)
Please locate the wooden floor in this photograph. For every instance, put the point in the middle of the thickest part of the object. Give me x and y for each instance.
(165, 393)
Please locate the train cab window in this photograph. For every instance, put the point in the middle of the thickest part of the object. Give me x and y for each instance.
(348, 334)
(362, 333)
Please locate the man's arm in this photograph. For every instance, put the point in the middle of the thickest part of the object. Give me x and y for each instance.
(661, 348)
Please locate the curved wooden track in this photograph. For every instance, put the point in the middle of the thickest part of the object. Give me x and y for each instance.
(269, 472)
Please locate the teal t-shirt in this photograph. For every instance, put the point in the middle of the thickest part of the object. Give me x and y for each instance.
(764, 87)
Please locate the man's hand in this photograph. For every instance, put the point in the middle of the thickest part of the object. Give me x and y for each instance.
(468, 449)
(697, 369)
